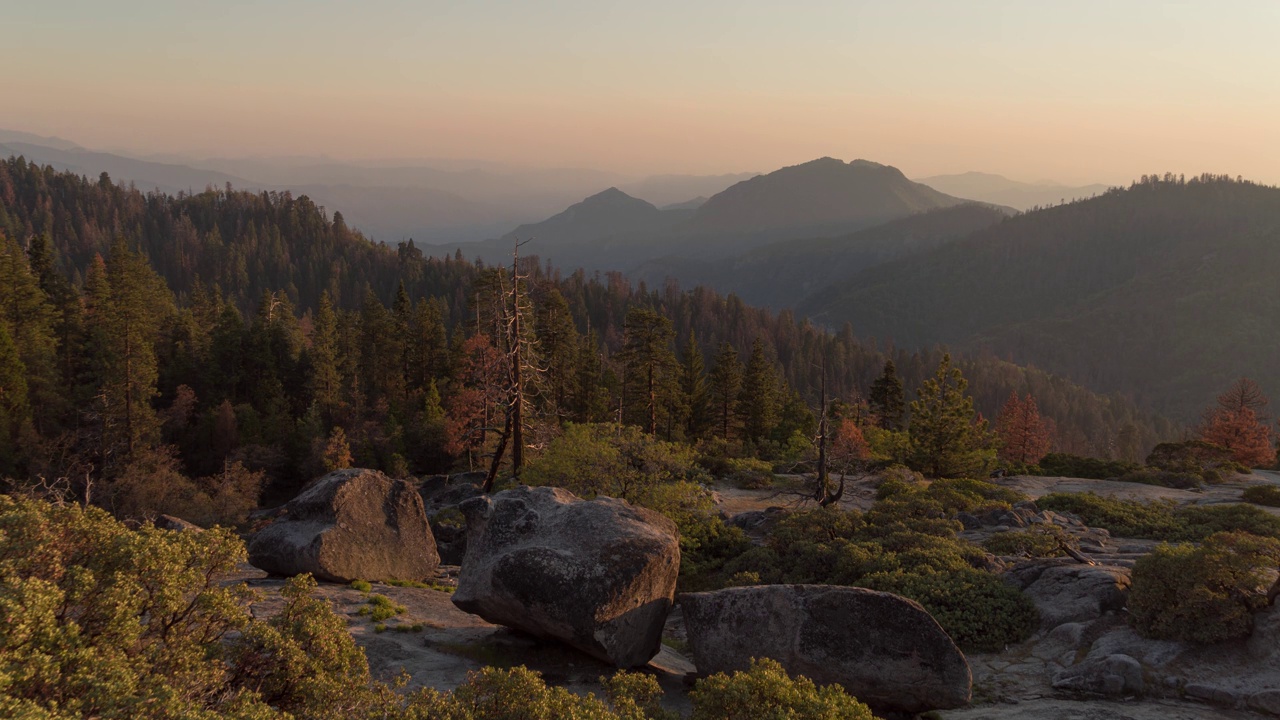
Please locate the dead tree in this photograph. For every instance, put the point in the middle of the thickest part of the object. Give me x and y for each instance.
(521, 369)
(822, 493)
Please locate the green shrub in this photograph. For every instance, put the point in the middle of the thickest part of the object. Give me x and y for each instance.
(361, 585)
(905, 545)
(1166, 478)
(1126, 518)
(1202, 594)
(746, 473)
(765, 691)
(980, 611)
(1038, 542)
(1163, 520)
(617, 461)
(1268, 495)
(1067, 465)
(1201, 521)
(381, 608)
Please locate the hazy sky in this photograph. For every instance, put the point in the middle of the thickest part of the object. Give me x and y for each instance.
(1076, 91)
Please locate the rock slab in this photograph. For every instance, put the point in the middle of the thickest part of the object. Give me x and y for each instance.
(1065, 591)
(884, 649)
(598, 575)
(350, 525)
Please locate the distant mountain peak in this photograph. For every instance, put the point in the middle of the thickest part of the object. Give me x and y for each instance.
(613, 194)
(822, 196)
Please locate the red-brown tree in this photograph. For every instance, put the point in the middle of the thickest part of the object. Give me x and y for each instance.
(1025, 436)
(1237, 425)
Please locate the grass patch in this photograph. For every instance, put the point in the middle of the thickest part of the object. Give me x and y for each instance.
(439, 587)
(381, 608)
(361, 585)
(680, 646)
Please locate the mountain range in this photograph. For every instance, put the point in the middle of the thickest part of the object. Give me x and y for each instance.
(435, 201)
(1000, 190)
(614, 231)
(1165, 290)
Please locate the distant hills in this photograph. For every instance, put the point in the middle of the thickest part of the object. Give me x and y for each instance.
(435, 201)
(782, 274)
(1166, 291)
(821, 197)
(1000, 190)
(613, 230)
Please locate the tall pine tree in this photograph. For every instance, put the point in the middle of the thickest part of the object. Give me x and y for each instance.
(948, 439)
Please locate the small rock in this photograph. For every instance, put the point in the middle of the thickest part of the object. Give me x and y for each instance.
(177, 524)
(1212, 694)
(1112, 676)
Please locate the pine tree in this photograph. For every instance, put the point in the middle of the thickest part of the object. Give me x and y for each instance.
(326, 380)
(948, 439)
(428, 345)
(1025, 436)
(760, 400)
(14, 408)
(649, 366)
(887, 398)
(694, 390)
(127, 323)
(726, 383)
(591, 401)
(558, 347)
(30, 318)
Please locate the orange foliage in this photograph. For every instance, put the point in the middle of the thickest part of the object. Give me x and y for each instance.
(1025, 436)
(1241, 432)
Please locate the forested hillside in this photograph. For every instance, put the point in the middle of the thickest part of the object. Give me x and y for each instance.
(1164, 290)
(228, 332)
(783, 273)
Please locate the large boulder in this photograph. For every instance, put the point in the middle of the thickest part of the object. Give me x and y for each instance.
(1067, 591)
(884, 649)
(350, 525)
(599, 575)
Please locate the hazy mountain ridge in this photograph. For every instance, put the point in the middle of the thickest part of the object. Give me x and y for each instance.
(783, 273)
(1164, 290)
(452, 202)
(1000, 190)
(821, 197)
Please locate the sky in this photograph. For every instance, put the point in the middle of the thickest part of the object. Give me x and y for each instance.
(1081, 91)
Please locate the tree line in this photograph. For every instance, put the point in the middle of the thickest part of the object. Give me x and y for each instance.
(245, 338)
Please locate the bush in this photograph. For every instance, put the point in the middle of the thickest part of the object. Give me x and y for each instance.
(1039, 542)
(765, 691)
(1162, 520)
(1165, 478)
(1126, 518)
(1202, 594)
(1067, 465)
(746, 473)
(1200, 521)
(613, 460)
(906, 545)
(980, 611)
(1268, 495)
